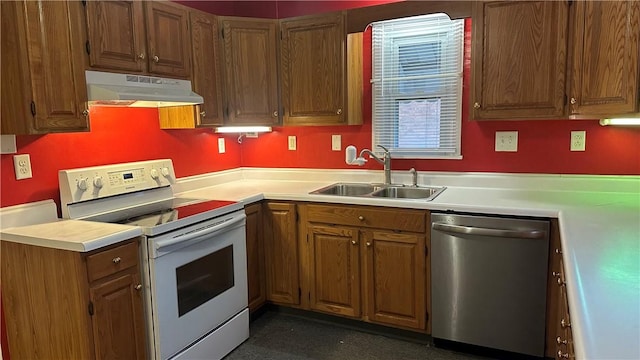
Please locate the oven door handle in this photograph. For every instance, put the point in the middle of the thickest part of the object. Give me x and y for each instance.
(199, 233)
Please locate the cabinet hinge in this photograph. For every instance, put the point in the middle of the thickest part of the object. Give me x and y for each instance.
(84, 3)
(33, 108)
(297, 216)
(91, 308)
(566, 99)
(426, 250)
(226, 112)
(309, 293)
(299, 292)
(570, 2)
(222, 33)
(281, 35)
(87, 47)
(307, 237)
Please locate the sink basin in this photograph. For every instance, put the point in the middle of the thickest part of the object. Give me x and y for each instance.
(345, 189)
(380, 191)
(396, 192)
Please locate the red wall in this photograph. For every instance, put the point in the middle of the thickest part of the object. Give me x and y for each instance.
(543, 145)
(117, 135)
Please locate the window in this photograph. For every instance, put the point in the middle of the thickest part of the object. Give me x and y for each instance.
(417, 86)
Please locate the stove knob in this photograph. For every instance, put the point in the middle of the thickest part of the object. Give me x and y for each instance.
(165, 171)
(154, 173)
(97, 181)
(82, 184)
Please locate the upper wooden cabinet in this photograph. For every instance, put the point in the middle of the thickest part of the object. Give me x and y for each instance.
(250, 71)
(43, 82)
(313, 70)
(604, 70)
(205, 73)
(539, 59)
(518, 59)
(151, 36)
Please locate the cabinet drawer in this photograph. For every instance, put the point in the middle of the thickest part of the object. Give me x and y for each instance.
(107, 262)
(365, 216)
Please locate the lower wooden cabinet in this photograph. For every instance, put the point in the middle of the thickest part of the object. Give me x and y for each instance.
(281, 253)
(75, 305)
(378, 275)
(255, 257)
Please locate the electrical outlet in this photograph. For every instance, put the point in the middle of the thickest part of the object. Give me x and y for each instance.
(336, 142)
(507, 141)
(22, 165)
(221, 147)
(578, 140)
(292, 143)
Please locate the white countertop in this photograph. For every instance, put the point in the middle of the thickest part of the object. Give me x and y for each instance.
(73, 235)
(599, 219)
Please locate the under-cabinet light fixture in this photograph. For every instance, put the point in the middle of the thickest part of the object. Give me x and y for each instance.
(242, 130)
(621, 122)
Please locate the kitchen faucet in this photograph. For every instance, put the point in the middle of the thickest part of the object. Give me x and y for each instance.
(385, 161)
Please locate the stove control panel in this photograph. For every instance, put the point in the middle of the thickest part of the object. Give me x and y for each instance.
(96, 182)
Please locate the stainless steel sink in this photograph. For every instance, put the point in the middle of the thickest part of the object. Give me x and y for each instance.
(396, 192)
(380, 191)
(346, 189)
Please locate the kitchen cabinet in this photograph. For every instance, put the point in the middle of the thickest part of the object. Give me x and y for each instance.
(78, 306)
(250, 71)
(281, 252)
(255, 257)
(518, 59)
(605, 77)
(151, 36)
(43, 82)
(564, 338)
(369, 263)
(312, 68)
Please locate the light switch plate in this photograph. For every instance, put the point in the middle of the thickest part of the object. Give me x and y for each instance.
(336, 142)
(221, 147)
(578, 140)
(8, 144)
(22, 165)
(507, 141)
(292, 143)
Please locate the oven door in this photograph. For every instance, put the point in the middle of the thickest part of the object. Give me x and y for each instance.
(198, 280)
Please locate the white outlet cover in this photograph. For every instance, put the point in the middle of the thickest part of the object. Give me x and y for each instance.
(578, 140)
(336, 142)
(22, 166)
(506, 141)
(221, 147)
(292, 143)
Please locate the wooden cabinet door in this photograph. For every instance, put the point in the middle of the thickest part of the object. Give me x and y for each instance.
(116, 35)
(395, 278)
(118, 318)
(251, 82)
(313, 70)
(168, 40)
(205, 76)
(281, 252)
(255, 256)
(518, 59)
(40, 53)
(605, 76)
(335, 270)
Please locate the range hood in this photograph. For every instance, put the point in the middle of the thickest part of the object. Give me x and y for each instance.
(113, 89)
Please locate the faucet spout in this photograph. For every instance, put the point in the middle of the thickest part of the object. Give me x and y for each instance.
(385, 162)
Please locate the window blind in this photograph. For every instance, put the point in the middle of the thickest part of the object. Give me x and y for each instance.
(417, 86)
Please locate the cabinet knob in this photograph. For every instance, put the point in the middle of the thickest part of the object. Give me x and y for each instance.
(116, 260)
(156, 58)
(361, 218)
(558, 251)
(476, 106)
(139, 286)
(560, 341)
(339, 111)
(555, 273)
(368, 243)
(562, 355)
(141, 56)
(573, 101)
(203, 113)
(354, 242)
(564, 323)
(560, 282)
(275, 113)
(85, 112)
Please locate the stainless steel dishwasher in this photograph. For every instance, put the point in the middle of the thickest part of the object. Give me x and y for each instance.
(488, 281)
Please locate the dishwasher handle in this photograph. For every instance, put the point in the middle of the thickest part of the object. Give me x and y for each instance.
(506, 233)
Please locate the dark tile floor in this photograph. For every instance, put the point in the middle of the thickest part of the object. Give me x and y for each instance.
(284, 336)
